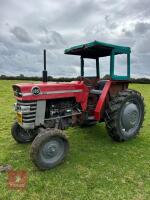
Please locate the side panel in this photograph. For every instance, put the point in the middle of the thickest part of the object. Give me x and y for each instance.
(40, 113)
(116, 87)
(113, 88)
(112, 66)
(76, 89)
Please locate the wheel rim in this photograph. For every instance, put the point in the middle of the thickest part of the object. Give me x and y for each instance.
(52, 151)
(130, 117)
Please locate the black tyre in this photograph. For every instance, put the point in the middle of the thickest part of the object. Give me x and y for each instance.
(49, 149)
(125, 115)
(21, 135)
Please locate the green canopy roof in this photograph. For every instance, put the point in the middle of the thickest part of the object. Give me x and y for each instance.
(96, 49)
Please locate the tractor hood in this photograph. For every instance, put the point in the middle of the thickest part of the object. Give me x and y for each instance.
(49, 90)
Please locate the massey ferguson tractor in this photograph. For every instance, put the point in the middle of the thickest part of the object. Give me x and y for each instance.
(44, 110)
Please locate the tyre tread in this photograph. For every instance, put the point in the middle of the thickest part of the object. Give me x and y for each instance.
(112, 113)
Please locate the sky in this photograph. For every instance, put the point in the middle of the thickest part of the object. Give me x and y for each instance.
(28, 27)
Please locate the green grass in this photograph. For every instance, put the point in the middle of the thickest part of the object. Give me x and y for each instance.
(96, 167)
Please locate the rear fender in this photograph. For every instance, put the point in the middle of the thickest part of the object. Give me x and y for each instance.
(111, 88)
(101, 100)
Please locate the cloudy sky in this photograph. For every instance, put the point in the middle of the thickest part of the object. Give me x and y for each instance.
(27, 27)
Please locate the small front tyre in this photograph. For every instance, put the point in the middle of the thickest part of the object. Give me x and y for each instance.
(21, 135)
(49, 148)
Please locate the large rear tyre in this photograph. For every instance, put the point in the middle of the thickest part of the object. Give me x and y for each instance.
(21, 135)
(125, 115)
(49, 148)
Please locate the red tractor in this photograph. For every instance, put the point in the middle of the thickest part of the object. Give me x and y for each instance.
(45, 109)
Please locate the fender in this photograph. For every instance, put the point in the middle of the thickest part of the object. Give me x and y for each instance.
(101, 100)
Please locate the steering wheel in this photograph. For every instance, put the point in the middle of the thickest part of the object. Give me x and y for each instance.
(91, 82)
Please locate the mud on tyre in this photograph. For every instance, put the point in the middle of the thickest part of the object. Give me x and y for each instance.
(49, 148)
(21, 135)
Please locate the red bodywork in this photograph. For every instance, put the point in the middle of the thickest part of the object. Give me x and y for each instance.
(75, 89)
(53, 90)
(101, 100)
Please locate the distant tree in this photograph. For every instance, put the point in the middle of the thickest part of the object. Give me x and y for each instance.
(64, 79)
(21, 75)
(3, 76)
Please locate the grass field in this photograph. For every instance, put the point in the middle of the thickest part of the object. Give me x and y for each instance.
(96, 167)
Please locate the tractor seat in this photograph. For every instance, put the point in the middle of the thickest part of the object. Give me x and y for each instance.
(93, 91)
(99, 87)
(101, 84)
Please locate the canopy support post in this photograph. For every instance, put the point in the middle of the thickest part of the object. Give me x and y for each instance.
(97, 68)
(82, 66)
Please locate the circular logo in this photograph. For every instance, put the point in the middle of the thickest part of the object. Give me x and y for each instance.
(35, 90)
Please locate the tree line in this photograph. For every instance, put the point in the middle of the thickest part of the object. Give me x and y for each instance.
(65, 79)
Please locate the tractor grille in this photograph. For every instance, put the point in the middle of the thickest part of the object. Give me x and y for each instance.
(28, 117)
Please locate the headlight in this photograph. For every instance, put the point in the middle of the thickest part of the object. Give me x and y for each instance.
(22, 109)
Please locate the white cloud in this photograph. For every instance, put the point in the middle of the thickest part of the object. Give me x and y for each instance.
(28, 27)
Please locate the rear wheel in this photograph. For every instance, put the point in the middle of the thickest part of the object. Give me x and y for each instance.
(21, 135)
(49, 149)
(125, 115)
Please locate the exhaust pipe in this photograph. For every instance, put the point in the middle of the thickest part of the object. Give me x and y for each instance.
(44, 71)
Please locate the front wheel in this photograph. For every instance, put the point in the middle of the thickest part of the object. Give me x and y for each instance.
(21, 135)
(49, 148)
(125, 115)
